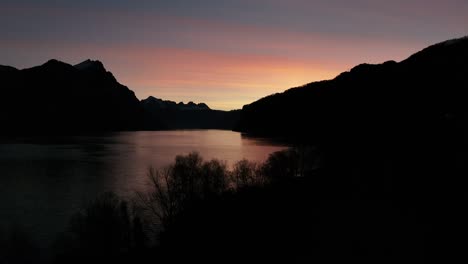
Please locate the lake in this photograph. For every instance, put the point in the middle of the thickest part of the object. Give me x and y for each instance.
(43, 181)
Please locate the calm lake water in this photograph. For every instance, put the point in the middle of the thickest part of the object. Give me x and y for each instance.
(43, 181)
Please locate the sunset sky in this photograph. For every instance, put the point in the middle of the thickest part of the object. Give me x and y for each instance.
(223, 53)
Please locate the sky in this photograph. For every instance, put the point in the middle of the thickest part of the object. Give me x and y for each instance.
(224, 53)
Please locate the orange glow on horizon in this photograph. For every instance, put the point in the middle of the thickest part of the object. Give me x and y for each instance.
(225, 66)
(184, 75)
(223, 53)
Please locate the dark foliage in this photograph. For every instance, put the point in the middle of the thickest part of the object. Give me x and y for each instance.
(17, 247)
(212, 214)
(288, 217)
(104, 231)
(177, 187)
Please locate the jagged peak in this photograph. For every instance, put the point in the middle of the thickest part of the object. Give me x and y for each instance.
(180, 105)
(93, 65)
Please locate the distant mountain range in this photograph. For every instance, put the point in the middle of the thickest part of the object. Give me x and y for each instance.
(189, 116)
(61, 98)
(159, 104)
(366, 102)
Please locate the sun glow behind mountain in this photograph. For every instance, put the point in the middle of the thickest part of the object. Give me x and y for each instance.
(224, 53)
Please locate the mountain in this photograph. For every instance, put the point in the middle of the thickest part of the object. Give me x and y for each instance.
(393, 129)
(91, 66)
(159, 104)
(429, 85)
(59, 97)
(189, 116)
(393, 134)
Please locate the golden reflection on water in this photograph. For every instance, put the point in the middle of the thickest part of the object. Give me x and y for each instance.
(45, 180)
(140, 150)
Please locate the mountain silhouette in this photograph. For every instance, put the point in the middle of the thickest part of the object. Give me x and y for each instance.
(393, 132)
(189, 116)
(428, 86)
(397, 128)
(62, 98)
(159, 104)
(91, 66)
(57, 96)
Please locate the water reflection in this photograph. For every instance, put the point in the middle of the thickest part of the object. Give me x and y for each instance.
(44, 180)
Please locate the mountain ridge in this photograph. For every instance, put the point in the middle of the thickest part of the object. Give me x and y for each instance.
(167, 104)
(366, 80)
(462, 41)
(85, 97)
(189, 116)
(97, 101)
(60, 97)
